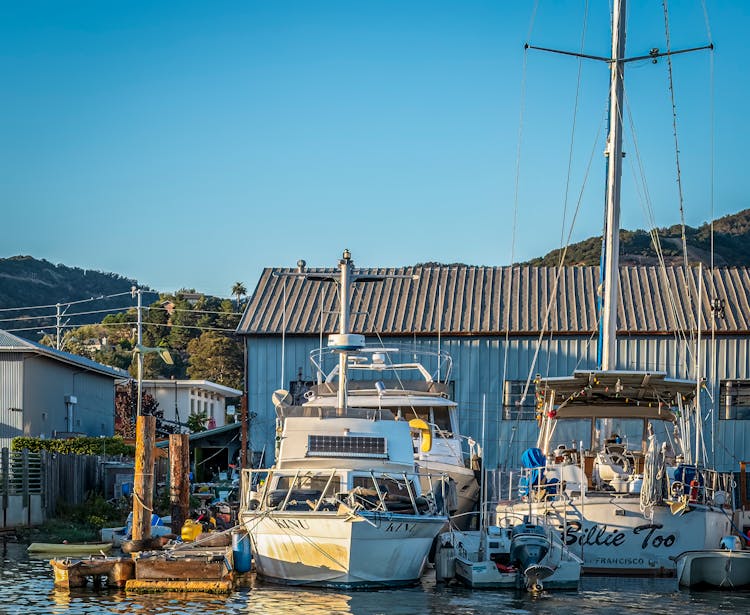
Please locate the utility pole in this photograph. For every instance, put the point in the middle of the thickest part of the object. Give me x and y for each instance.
(58, 327)
(139, 342)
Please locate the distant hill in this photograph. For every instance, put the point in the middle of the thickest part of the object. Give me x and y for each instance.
(26, 281)
(731, 245)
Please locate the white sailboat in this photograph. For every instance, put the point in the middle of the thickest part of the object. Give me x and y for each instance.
(632, 494)
(420, 395)
(343, 505)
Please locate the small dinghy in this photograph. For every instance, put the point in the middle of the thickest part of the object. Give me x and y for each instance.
(726, 568)
(511, 555)
(70, 548)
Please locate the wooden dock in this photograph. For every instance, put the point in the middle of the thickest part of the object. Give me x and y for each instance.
(186, 570)
(75, 573)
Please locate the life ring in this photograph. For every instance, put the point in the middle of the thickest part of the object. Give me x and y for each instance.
(420, 426)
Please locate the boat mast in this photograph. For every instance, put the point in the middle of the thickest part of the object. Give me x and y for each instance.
(611, 240)
(344, 342)
(345, 265)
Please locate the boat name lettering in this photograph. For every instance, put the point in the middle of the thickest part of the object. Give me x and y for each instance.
(594, 535)
(397, 527)
(289, 524)
(657, 541)
(600, 535)
(622, 561)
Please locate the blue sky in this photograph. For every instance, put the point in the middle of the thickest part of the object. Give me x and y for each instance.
(191, 144)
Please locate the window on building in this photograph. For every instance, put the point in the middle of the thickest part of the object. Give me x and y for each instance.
(515, 406)
(734, 399)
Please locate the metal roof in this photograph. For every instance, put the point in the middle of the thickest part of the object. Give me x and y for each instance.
(13, 343)
(468, 300)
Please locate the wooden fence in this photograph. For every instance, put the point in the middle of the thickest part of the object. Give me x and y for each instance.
(33, 485)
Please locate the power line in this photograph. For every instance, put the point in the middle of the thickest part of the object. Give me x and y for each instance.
(193, 311)
(122, 324)
(68, 303)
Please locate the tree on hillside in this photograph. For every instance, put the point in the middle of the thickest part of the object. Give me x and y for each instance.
(216, 357)
(238, 290)
(228, 318)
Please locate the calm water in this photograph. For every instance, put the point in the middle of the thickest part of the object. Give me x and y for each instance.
(26, 587)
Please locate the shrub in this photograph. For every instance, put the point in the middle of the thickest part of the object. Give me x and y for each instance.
(75, 446)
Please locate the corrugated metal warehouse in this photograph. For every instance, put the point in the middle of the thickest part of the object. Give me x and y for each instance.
(47, 392)
(503, 325)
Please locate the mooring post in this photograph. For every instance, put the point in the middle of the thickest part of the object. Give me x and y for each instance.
(179, 479)
(143, 480)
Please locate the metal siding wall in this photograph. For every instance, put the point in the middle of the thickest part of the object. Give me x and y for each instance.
(52, 382)
(478, 364)
(11, 396)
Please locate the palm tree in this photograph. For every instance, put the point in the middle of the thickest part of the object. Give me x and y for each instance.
(238, 290)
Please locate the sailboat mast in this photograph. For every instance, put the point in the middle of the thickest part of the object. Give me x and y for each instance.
(611, 242)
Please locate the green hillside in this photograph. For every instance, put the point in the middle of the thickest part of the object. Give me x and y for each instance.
(731, 245)
(26, 281)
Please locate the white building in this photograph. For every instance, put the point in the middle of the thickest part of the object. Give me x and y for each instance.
(178, 399)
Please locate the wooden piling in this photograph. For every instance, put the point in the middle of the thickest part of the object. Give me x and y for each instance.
(143, 480)
(179, 479)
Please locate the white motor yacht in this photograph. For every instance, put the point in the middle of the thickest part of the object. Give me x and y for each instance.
(343, 505)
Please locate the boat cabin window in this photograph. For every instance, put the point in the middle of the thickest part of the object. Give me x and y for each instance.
(570, 433)
(313, 483)
(439, 417)
(390, 486)
(619, 434)
(735, 400)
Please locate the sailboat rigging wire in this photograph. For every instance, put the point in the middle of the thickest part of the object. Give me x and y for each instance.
(573, 126)
(645, 199)
(674, 133)
(570, 155)
(559, 268)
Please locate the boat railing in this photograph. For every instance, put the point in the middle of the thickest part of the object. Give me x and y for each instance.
(683, 483)
(697, 485)
(321, 491)
(433, 365)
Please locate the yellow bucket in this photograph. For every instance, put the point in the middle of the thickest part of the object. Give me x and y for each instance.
(191, 530)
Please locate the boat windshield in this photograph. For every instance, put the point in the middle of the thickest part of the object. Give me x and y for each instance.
(628, 433)
(611, 433)
(313, 483)
(437, 416)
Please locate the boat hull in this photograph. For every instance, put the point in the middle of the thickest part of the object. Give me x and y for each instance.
(714, 567)
(612, 536)
(466, 486)
(328, 549)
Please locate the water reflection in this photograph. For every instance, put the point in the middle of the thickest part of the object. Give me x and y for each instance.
(26, 586)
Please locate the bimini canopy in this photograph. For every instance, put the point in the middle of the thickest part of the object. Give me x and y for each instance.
(615, 394)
